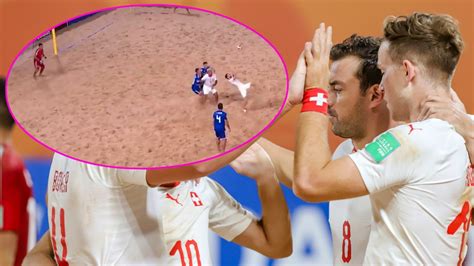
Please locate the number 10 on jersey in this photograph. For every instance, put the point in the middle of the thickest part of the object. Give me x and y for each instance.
(178, 248)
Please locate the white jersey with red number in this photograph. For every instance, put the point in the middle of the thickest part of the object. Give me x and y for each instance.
(188, 211)
(99, 216)
(416, 175)
(350, 221)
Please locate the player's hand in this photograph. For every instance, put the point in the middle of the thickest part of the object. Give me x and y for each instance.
(316, 54)
(450, 110)
(254, 163)
(457, 102)
(296, 85)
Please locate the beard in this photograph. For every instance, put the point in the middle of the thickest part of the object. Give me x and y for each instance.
(352, 126)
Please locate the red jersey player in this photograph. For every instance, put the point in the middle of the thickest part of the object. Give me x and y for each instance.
(16, 225)
(38, 60)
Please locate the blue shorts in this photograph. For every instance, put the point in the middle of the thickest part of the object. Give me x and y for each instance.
(220, 133)
(196, 88)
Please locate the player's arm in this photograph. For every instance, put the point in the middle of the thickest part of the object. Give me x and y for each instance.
(296, 86)
(271, 235)
(42, 253)
(282, 160)
(167, 175)
(453, 111)
(8, 245)
(316, 177)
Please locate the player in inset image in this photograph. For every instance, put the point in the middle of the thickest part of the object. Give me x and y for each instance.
(17, 205)
(242, 87)
(220, 122)
(204, 68)
(196, 86)
(38, 60)
(209, 82)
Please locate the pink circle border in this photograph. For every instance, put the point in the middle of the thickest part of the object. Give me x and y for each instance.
(155, 167)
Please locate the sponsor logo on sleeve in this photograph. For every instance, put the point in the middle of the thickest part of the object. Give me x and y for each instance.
(382, 147)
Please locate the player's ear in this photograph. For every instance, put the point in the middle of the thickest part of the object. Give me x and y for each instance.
(376, 94)
(409, 69)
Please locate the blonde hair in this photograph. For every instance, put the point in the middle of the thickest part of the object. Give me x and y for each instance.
(432, 40)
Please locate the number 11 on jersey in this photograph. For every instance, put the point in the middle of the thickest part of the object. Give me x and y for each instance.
(62, 229)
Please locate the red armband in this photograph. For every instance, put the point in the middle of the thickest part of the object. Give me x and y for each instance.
(315, 100)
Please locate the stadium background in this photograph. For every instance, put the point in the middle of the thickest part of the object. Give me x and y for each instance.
(287, 24)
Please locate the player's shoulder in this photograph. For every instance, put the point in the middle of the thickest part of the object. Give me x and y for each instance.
(345, 148)
(424, 138)
(208, 182)
(212, 187)
(426, 132)
(105, 176)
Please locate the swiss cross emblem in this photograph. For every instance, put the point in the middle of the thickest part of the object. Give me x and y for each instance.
(195, 198)
(319, 99)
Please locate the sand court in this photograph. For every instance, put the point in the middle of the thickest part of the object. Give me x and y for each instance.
(119, 93)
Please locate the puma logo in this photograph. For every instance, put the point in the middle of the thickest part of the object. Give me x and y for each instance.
(412, 128)
(168, 196)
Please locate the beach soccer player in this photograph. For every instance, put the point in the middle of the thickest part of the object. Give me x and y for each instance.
(38, 60)
(209, 82)
(196, 86)
(220, 122)
(242, 87)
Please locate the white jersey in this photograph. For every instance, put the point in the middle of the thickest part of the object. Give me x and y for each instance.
(350, 221)
(208, 85)
(99, 216)
(209, 80)
(242, 87)
(416, 175)
(188, 211)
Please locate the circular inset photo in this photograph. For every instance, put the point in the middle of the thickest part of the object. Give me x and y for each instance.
(147, 86)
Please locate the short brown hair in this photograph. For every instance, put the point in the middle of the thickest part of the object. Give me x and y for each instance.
(366, 49)
(433, 40)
